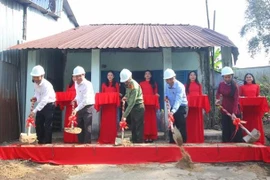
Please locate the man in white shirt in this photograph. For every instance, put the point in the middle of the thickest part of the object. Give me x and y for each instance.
(176, 94)
(45, 97)
(85, 98)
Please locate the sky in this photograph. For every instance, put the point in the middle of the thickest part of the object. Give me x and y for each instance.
(230, 17)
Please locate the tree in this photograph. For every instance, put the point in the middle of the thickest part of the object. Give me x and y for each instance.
(257, 25)
(217, 60)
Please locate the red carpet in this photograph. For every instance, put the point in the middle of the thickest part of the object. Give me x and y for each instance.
(145, 153)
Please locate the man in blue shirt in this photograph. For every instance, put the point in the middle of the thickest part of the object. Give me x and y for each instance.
(176, 94)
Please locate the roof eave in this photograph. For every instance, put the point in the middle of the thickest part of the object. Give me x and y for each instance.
(70, 13)
(35, 6)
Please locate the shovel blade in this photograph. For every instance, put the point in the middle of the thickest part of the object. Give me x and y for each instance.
(253, 137)
(75, 130)
(177, 137)
(118, 141)
(28, 138)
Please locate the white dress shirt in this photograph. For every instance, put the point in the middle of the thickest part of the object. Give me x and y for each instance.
(44, 93)
(84, 94)
(176, 95)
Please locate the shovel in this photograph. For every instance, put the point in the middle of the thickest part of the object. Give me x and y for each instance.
(30, 122)
(123, 126)
(72, 121)
(122, 140)
(177, 137)
(185, 161)
(252, 136)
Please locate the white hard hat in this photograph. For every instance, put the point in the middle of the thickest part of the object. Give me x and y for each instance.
(168, 73)
(125, 74)
(37, 71)
(78, 71)
(226, 71)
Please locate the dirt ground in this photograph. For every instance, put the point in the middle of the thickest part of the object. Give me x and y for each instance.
(16, 169)
(27, 170)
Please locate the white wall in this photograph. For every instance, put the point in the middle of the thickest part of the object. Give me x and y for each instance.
(40, 25)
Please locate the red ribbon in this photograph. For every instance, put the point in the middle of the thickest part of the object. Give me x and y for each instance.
(72, 119)
(171, 120)
(237, 122)
(123, 125)
(30, 121)
(170, 116)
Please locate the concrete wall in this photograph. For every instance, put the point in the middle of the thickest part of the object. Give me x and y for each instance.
(76, 59)
(135, 61)
(258, 72)
(139, 61)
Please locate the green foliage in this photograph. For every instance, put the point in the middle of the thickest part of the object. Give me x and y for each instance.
(257, 25)
(264, 82)
(217, 60)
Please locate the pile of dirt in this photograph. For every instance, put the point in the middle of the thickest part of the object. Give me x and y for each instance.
(15, 169)
(185, 162)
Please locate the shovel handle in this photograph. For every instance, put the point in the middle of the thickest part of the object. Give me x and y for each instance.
(123, 133)
(29, 129)
(172, 127)
(31, 109)
(123, 111)
(246, 130)
(72, 124)
(241, 125)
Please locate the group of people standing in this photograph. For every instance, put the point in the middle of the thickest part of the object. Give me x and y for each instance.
(228, 96)
(142, 116)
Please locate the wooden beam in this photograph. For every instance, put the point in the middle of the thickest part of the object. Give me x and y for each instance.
(226, 53)
(206, 84)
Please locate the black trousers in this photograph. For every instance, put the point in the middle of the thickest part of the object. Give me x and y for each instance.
(44, 120)
(137, 123)
(180, 123)
(85, 123)
(228, 129)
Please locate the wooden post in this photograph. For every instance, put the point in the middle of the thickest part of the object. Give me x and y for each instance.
(206, 84)
(226, 53)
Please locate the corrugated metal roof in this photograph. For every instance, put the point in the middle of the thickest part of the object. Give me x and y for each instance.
(141, 36)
